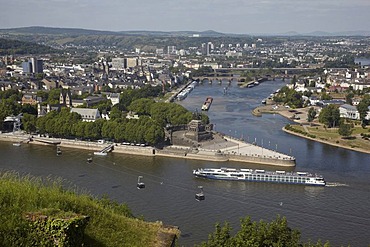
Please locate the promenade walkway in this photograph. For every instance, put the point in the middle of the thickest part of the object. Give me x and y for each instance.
(230, 145)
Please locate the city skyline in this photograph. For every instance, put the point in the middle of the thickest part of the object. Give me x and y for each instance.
(234, 16)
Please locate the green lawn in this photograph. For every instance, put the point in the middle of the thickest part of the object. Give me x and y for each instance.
(331, 135)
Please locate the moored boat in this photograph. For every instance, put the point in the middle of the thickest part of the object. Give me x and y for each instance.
(100, 153)
(303, 178)
(207, 104)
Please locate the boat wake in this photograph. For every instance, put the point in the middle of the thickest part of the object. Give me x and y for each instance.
(335, 185)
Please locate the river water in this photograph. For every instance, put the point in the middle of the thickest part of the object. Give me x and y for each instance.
(338, 213)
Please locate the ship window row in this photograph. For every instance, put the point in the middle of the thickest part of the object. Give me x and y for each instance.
(277, 178)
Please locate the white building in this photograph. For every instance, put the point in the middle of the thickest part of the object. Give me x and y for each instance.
(88, 115)
(349, 111)
(114, 98)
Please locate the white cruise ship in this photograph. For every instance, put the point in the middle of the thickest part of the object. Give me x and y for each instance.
(303, 178)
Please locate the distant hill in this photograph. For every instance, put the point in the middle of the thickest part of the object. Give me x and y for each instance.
(12, 47)
(318, 34)
(54, 31)
(207, 33)
(79, 31)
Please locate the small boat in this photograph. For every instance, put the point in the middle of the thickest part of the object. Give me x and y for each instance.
(89, 160)
(140, 185)
(100, 153)
(200, 196)
(59, 151)
(17, 144)
(207, 104)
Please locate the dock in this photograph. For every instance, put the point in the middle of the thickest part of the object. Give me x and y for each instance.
(105, 150)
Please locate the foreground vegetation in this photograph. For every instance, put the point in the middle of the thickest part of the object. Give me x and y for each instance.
(110, 223)
(258, 234)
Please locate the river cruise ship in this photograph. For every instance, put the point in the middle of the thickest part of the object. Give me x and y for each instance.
(303, 178)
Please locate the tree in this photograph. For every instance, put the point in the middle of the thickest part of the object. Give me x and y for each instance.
(344, 130)
(30, 109)
(330, 116)
(363, 108)
(141, 106)
(53, 97)
(325, 96)
(29, 122)
(311, 114)
(349, 97)
(115, 113)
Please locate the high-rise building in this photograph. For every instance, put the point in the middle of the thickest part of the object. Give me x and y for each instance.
(131, 62)
(171, 50)
(210, 47)
(33, 65)
(39, 67)
(27, 67)
(118, 63)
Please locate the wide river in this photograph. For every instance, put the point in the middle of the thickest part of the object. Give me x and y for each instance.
(338, 213)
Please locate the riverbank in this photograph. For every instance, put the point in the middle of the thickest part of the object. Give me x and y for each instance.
(333, 142)
(228, 149)
(299, 116)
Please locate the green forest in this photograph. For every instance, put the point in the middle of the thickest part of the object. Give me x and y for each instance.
(13, 47)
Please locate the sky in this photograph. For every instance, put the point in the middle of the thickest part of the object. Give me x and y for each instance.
(226, 16)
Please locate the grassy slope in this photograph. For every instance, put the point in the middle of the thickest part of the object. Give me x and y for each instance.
(111, 224)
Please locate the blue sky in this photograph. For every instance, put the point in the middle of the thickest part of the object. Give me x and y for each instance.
(228, 16)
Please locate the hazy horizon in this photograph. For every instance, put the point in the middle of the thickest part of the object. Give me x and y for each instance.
(233, 16)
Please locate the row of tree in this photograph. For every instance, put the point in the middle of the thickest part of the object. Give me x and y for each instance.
(66, 124)
(149, 128)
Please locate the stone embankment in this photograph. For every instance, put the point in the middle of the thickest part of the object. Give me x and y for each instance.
(229, 149)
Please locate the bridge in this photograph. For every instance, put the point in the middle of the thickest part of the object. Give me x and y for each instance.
(241, 81)
(284, 70)
(219, 78)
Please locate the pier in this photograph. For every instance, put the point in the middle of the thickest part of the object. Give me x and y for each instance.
(105, 150)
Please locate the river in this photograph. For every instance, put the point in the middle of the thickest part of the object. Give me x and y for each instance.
(338, 213)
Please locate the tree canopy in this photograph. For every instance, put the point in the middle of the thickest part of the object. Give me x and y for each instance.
(258, 234)
(290, 97)
(345, 130)
(311, 114)
(363, 108)
(330, 116)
